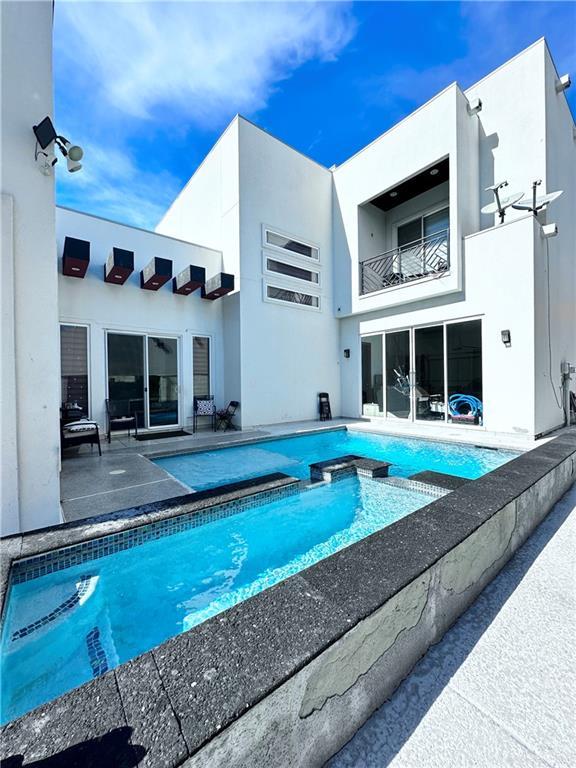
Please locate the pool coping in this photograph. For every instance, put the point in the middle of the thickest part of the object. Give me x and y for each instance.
(200, 682)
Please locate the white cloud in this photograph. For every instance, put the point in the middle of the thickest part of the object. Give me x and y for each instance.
(111, 185)
(134, 78)
(203, 61)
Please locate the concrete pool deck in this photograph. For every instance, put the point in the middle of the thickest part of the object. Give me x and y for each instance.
(124, 477)
(500, 687)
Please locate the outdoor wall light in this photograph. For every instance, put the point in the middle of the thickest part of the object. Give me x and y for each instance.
(474, 106)
(346, 353)
(506, 338)
(46, 138)
(563, 83)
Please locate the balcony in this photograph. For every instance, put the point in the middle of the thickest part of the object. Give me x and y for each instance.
(413, 261)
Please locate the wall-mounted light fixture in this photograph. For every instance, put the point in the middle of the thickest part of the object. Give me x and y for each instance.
(506, 338)
(346, 353)
(474, 106)
(563, 83)
(46, 139)
(549, 230)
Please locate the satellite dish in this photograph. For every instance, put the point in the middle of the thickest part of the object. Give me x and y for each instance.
(536, 204)
(505, 202)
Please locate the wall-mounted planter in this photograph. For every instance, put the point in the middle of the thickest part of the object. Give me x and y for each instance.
(155, 274)
(217, 286)
(76, 257)
(189, 280)
(119, 266)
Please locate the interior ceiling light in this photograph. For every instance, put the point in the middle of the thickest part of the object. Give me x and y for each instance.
(394, 194)
(46, 138)
(434, 172)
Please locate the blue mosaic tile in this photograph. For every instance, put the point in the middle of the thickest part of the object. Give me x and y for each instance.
(96, 653)
(57, 560)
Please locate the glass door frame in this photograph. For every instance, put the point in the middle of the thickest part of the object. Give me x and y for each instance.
(412, 419)
(145, 335)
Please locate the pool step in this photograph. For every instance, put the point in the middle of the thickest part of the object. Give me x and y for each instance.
(408, 484)
(347, 466)
(70, 596)
(440, 479)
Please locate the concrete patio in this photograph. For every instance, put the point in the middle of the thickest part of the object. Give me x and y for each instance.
(499, 689)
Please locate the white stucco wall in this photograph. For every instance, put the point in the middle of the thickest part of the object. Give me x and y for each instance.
(30, 494)
(512, 126)
(508, 391)
(288, 353)
(555, 282)
(103, 306)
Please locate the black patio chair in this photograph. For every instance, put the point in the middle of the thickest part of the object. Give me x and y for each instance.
(204, 406)
(324, 406)
(224, 417)
(120, 417)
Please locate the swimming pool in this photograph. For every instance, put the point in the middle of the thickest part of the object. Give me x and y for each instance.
(293, 455)
(66, 627)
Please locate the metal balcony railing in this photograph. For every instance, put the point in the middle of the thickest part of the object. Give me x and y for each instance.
(427, 256)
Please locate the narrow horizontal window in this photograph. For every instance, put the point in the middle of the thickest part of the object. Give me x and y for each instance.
(292, 297)
(290, 270)
(281, 241)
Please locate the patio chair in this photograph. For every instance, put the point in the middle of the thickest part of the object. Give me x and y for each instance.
(203, 406)
(224, 418)
(324, 406)
(120, 416)
(79, 432)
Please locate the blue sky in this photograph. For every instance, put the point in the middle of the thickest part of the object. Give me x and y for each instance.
(147, 88)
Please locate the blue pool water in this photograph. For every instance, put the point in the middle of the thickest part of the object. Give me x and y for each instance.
(294, 455)
(135, 599)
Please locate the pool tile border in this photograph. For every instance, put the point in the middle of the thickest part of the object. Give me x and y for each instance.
(262, 491)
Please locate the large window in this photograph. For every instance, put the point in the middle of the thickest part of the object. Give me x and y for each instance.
(201, 365)
(74, 366)
(423, 226)
(431, 373)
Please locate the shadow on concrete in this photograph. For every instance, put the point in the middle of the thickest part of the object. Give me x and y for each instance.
(380, 739)
(112, 750)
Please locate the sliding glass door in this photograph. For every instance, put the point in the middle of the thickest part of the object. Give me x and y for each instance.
(398, 380)
(431, 373)
(143, 378)
(372, 376)
(162, 382)
(429, 395)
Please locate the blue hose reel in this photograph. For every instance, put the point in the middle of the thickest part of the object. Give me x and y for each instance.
(465, 405)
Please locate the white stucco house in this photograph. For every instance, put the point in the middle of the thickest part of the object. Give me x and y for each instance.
(379, 281)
